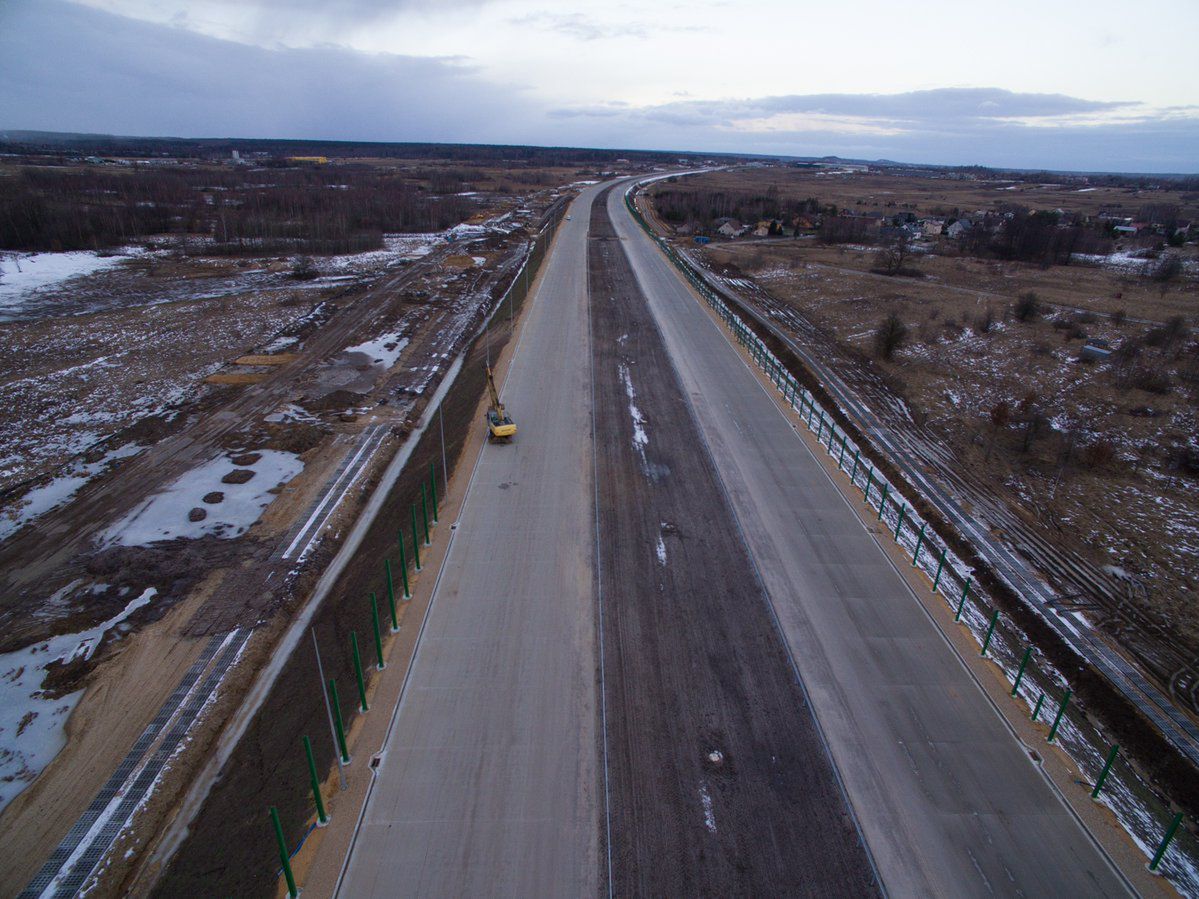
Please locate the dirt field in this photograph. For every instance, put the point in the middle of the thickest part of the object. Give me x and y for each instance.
(940, 194)
(116, 362)
(708, 726)
(1103, 466)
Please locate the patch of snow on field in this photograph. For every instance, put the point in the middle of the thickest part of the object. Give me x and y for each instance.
(709, 813)
(290, 412)
(43, 498)
(661, 550)
(640, 438)
(279, 344)
(164, 516)
(395, 248)
(383, 350)
(31, 725)
(23, 274)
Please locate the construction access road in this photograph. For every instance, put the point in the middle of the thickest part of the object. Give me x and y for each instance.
(670, 659)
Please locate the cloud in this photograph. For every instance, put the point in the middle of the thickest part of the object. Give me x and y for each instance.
(916, 108)
(989, 126)
(68, 67)
(271, 21)
(588, 28)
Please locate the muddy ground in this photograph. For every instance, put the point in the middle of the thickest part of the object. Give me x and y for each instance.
(222, 583)
(720, 784)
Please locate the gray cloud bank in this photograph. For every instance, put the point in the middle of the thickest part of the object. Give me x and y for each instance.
(71, 68)
(68, 67)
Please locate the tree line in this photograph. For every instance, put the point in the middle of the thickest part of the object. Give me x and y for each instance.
(315, 210)
(682, 206)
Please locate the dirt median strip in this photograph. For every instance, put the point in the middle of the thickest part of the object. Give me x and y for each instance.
(719, 781)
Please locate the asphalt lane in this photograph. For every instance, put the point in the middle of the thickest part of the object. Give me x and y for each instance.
(489, 782)
(948, 800)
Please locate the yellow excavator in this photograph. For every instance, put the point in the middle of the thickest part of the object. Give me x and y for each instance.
(499, 426)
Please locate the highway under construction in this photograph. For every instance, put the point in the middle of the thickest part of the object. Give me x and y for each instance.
(663, 655)
(650, 645)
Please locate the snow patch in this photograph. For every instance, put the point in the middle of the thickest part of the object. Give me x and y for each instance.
(289, 413)
(164, 516)
(709, 814)
(640, 438)
(384, 350)
(21, 275)
(31, 725)
(42, 499)
(661, 550)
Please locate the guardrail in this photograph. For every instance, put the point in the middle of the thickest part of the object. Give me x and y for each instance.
(1147, 816)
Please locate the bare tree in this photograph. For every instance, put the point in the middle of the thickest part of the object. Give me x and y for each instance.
(985, 321)
(1035, 422)
(303, 269)
(1028, 307)
(890, 336)
(1001, 416)
(894, 256)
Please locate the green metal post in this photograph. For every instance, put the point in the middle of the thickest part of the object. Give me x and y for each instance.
(415, 541)
(391, 594)
(433, 488)
(358, 671)
(1020, 672)
(962, 604)
(321, 817)
(940, 568)
(403, 563)
(869, 484)
(919, 544)
(902, 509)
(811, 412)
(283, 856)
(424, 510)
(378, 633)
(990, 631)
(882, 505)
(1107, 766)
(841, 458)
(1061, 710)
(1161, 850)
(1037, 708)
(853, 475)
(341, 728)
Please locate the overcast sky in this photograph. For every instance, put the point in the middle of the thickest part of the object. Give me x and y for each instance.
(1095, 85)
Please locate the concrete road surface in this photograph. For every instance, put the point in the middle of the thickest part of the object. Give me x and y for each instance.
(489, 780)
(949, 801)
